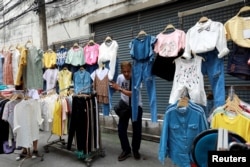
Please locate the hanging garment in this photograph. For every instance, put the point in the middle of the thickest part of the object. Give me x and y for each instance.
(169, 45)
(234, 122)
(49, 59)
(4, 130)
(15, 61)
(64, 81)
(101, 85)
(108, 56)
(237, 28)
(50, 76)
(238, 62)
(141, 51)
(213, 67)
(1, 68)
(61, 55)
(84, 124)
(188, 77)
(91, 53)
(82, 82)
(21, 65)
(57, 118)
(27, 118)
(33, 78)
(75, 56)
(7, 69)
(205, 37)
(180, 127)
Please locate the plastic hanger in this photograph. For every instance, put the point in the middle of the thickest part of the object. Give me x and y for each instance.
(142, 33)
(183, 102)
(243, 9)
(169, 26)
(203, 19)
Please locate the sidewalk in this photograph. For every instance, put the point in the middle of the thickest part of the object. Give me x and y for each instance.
(63, 158)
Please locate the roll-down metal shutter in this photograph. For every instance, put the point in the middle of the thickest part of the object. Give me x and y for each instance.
(153, 21)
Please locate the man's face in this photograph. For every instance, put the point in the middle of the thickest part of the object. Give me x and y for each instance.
(126, 71)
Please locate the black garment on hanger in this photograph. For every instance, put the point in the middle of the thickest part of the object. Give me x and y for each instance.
(164, 67)
(4, 126)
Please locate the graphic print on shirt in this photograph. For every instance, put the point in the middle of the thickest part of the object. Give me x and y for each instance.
(168, 48)
(187, 76)
(125, 85)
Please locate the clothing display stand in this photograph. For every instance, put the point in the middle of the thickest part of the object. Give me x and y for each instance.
(61, 142)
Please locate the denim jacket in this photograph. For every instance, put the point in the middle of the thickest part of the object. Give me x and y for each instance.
(180, 127)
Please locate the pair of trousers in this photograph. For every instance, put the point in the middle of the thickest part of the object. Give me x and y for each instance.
(78, 124)
(141, 71)
(213, 67)
(137, 130)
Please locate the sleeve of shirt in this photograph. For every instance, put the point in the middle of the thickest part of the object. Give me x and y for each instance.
(187, 53)
(183, 40)
(112, 62)
(221, 44)
(157, 45)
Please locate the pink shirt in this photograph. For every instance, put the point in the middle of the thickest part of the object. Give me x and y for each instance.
(91, 53)
(168, 45)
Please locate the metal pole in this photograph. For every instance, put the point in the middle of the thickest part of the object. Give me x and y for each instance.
(42, 25)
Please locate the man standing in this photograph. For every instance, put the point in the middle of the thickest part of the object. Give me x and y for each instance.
(123, 85)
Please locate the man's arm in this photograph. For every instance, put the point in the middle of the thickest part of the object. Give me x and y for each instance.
(118, 88)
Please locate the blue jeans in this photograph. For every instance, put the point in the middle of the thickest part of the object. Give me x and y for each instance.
(141, 71)
(213, 67)
(137, 130)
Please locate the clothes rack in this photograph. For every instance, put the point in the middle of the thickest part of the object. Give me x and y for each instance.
(64, 143)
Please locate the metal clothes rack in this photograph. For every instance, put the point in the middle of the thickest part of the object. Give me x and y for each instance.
(60, 143)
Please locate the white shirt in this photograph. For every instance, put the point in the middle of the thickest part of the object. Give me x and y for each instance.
(27, 118)
(204, 37)
(124, 84)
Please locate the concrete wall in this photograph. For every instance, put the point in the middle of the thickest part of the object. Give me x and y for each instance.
(65, 20)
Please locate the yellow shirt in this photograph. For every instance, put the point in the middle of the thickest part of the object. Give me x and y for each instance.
(238, 124)
(57, 119)
(49, 59)
(235, 29)
(22, 63)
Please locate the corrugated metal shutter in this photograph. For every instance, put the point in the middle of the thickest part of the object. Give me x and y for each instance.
(153, 21)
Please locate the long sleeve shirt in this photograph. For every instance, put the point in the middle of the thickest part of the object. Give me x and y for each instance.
(204, 37)
(108, 53)
(75, 57)
(82, 82)
(21, 64)
(168, 45)
(180, 127)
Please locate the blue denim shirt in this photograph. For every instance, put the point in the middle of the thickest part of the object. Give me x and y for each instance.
(180, 127)
(142, 49)
(82, 81)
